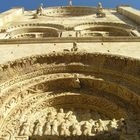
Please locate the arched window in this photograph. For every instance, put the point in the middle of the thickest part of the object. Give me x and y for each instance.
(31, 32)
(100, 29)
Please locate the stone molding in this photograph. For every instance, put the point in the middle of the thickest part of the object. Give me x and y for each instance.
(69, 40)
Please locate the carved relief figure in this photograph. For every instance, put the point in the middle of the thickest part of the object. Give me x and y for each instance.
(74, 48)
(25, 129)
(112, 126)
(76, 83)
(38, 129)
(88, 128)
(96, 128)
(55, 127)
(101, 127)
(47, 129)
(50, 116)
(71, 117)
(61, 116)
(76, 129)
(67, 124)
(64, 131)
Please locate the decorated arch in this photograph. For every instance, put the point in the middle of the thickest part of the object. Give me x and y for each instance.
(85, 88)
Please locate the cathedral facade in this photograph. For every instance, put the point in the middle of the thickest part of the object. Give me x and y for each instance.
(70, 72)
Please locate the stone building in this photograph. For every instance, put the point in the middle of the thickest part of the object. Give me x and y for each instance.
(70, 72)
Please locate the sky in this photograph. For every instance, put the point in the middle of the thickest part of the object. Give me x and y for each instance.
(33, 4)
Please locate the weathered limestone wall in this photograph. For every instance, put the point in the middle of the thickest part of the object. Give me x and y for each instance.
(130, 12)
(16, 51)
(9, 15)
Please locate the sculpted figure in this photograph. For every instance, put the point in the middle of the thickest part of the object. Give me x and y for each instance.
(60, 116)
(47, 129)
(112, 126)
(88, 128)
(70, 2)
(55, 127)
(71, 117)
(51, 116)
(38, 129)
(96, 127)
(101, 127)
(64, 131)
(76, 82)
(76, 129)
(40, 10)
(100, 5)
(25, 129)
(74, 48)
(100, 12)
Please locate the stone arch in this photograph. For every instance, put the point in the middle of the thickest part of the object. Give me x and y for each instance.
(34, 33)
(69, 11)
(33, 30)
(91, 76)
(57, 26)
(106, 29)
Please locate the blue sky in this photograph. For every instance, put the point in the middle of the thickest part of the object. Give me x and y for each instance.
(33, 4)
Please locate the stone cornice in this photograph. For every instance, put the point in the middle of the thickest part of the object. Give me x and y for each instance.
(69, 40)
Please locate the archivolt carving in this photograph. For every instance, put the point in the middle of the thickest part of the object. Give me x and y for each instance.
(61, 123)
(54, 82)
(35, 89)
(46, 86)
(40, 102)
(33, 32)
(103, 29)
(101, 61)
(57, 26)
(121, 25)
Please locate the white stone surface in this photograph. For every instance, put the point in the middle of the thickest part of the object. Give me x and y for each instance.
(12, 52)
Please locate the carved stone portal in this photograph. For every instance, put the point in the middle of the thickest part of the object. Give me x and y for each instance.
(59, 123)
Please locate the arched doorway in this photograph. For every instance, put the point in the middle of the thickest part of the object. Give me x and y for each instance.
(77, 88)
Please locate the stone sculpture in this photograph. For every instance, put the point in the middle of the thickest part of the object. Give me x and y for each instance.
(88, 128)
(38, 129)
(24, 129)
(67, 124)
(112, 126)
(60, 116)
(101, 125)
(76, 129)
(50, 116)
(100, 5)
(40, 10)
(76, 83)
(70, 2)
(100, 12)
(74, 48)
(47, 130)
(71, 117)
(65, 128)
(55, 127)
